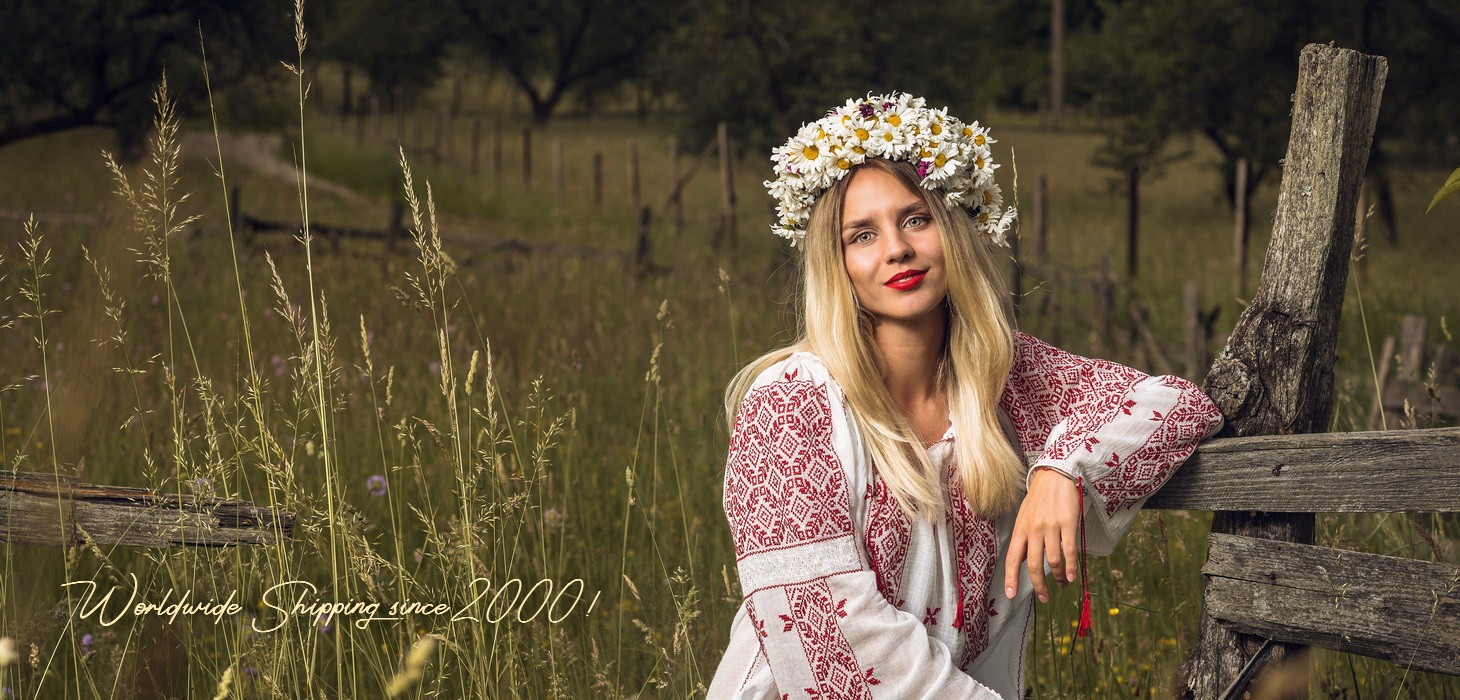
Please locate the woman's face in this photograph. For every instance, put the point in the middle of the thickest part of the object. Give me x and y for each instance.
(892, 248)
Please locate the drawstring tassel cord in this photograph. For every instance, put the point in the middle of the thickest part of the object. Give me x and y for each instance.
(1084, 628)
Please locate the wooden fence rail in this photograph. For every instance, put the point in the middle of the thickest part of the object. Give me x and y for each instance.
(52, 510)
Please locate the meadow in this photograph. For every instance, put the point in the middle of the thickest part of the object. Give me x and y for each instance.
(450, 418)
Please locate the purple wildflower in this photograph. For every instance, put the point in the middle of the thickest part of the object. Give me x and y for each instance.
(324, 623)
(886, 106)
(866, 109)
(377, 485)
(251, 671)
(924, 167)
(278, 363)
(552, 517)
(203, 486)
(86, 642)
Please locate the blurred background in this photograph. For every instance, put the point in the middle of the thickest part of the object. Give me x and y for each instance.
(538, 247)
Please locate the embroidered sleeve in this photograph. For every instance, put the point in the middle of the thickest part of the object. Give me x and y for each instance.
(1125, 432)
(823, 627)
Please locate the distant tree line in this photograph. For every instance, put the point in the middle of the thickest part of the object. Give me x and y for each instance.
(1157, 73)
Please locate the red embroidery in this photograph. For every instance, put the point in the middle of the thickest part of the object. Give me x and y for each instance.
(783, 481)
(1046, 385)
(829, 655)
(975, 539)
(931, 618)
(889, 534)
(1168, 445)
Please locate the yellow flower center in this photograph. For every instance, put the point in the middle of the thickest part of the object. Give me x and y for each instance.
(940, 160)
(978, 163)
(988, 197)
(894, 120)
(810, 153)
(937, 128)
(845, 118)
(967, 132)
(925, 154)
(978, 140)
(859, 150)
(983, 217)
(887, 136)
(861, 134)
(844, 164)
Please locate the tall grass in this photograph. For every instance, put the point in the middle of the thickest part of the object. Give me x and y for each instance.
(472, 427)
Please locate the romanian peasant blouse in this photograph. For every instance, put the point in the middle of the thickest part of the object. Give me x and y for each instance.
(846, 597)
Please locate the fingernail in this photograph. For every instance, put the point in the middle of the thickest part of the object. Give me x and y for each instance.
(1043, 598)
(1008, 591)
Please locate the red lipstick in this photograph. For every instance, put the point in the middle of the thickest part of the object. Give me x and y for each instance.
(904, 281)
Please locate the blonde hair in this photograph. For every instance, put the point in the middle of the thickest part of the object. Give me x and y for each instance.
(977, 355)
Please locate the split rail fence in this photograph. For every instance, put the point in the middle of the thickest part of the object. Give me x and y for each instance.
(1269, 590)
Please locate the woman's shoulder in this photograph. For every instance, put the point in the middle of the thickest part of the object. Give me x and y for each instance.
(798, 366)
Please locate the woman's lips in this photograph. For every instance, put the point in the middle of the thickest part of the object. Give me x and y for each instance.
(906, 280)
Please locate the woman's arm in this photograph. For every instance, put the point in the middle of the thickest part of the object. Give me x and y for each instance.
(1119, 432)
(824, 628)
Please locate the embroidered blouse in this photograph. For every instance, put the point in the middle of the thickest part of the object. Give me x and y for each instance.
(846, 597)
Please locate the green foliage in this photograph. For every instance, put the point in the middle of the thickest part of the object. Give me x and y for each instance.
(398, 43)
(765, 67)
(1451, 186)
(79, 63)
(555, 47)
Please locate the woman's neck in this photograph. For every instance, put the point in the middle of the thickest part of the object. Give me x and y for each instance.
(910, 355)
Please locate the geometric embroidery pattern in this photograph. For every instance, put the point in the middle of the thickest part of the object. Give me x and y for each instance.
(783, 481)
(889, 534)
(1046, 384)
(1173, 440)
(833, 664)
(975, 539)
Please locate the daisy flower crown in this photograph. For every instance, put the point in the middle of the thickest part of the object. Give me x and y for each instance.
(950, 156)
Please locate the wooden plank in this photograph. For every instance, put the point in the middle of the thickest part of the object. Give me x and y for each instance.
(47, 510)
(1391, 608)
(1381, 471)
(1275, 376)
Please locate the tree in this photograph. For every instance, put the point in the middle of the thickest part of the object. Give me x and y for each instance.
(766, 66)
(551, 48)
(76, 63)
(397, 43)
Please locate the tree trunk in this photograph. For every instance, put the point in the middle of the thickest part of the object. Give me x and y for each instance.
(1275, 376)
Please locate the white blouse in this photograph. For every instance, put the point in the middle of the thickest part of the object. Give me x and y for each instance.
(846, 597)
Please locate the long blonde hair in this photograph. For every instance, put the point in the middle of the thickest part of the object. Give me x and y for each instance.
(977, 355)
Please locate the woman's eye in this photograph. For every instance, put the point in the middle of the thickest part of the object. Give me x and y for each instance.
(916, 221)
(862, 237)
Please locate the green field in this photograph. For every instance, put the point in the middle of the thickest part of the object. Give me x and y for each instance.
(538, 413)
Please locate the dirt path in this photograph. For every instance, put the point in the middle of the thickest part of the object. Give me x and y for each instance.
(260, 153)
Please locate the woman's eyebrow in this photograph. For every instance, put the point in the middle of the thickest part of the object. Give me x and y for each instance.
(910, 208)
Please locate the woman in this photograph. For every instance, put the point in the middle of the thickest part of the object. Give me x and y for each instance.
(875, 484)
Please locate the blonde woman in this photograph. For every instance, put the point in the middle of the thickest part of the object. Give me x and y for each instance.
(890, 539)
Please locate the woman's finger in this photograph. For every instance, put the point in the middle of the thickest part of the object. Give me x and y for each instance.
(1012, 561)
(1072, 553)
(1035, 564)
(1053, 548)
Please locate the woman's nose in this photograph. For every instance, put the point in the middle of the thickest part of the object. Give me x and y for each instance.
(896, 245)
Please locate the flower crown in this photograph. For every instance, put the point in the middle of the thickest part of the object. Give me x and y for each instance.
(950, 156)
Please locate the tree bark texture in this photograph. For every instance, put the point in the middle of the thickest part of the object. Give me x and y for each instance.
(1275, 376)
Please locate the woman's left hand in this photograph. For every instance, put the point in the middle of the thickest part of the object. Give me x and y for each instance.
(1045, 530)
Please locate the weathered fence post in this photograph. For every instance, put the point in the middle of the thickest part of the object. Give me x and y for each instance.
(727, 189)
(1275, 376)
(1041, 218)
(527, 157)
(676, 203)
(633, 174)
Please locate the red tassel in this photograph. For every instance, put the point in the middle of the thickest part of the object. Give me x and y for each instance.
(1083, 630)
(958, 615)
